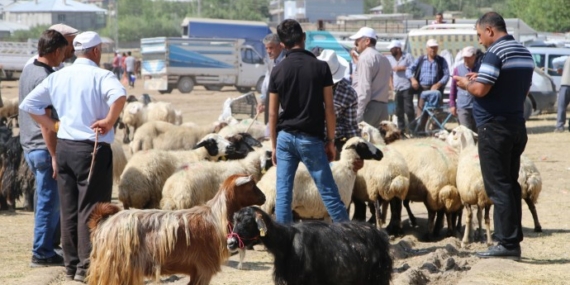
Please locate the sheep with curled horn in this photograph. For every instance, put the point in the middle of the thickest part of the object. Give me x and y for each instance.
(131, 244)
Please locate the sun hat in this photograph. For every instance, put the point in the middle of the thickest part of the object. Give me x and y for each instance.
(337, 64)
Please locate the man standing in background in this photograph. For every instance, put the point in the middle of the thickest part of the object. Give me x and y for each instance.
(400, 61)
(563, 97)
(276, 53)
(130, 69)
(371, 79)
(460, 101)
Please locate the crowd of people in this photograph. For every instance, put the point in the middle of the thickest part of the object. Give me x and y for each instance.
(313, 102)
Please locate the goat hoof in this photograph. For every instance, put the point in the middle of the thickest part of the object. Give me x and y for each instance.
(538, 229)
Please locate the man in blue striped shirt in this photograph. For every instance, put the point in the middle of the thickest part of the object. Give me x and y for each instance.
(500, 89)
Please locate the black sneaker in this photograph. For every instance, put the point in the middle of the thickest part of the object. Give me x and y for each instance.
(79, 277)
(56, 260)
(499, 251)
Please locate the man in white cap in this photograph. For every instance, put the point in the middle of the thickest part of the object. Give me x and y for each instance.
(460, 101)
(88, 100)
(371, 79)
(400, 61)
(69, 33)
(429, 72)
(345, 99)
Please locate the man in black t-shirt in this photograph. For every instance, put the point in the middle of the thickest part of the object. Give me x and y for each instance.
(302, 85)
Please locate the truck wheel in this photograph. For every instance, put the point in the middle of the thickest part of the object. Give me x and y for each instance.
(527, 108)
(259, 84)
(242, 89)
(213, 87)
(185, 84)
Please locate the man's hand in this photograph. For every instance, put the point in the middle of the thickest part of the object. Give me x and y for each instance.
(415, 84)
(330, 151)
(435, 87)
(260, 108)
(471, 76)
(357, 165)
(274, 157)
(54, 166)
(104, 126)
(461, 81)
(453, 111)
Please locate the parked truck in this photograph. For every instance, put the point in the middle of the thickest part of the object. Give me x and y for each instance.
(252, 32)
(14, 55)
(183, 63)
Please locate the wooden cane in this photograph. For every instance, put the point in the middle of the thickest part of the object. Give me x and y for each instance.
(93, 154)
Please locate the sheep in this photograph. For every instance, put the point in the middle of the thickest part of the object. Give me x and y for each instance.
(136, 113)
(166, 136)
(198, 182)
(253, 127)
(472, 189)
(307, 203)
(10, 108)
(433, 167)
(16, 178)
(157, 242)
(317, 252)
(141, 182)
(119, 160)
(161, 111)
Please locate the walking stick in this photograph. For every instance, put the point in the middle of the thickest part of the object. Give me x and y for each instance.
(93, 154)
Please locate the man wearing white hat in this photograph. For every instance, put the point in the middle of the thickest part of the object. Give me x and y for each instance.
(371, 79)
(88, 100)
(460, 101)
(400, 61)
(345, 99)
(69, 33)
(429, 72)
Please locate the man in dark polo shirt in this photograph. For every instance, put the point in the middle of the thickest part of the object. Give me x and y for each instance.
(302, 85)
(500, 89)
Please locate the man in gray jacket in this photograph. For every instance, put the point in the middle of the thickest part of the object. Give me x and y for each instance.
(371, 79)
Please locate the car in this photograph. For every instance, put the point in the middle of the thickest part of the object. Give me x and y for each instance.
(547, 58)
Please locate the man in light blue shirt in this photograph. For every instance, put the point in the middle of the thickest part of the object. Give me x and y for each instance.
(400, 61)
(88, 100)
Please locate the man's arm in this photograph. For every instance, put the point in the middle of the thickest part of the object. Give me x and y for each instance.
(411, 69)
(263, 97)
(49, 136)
(453, 89)
(273, 112)
(106, 124)
(364, 79)
(445, 77)
(330, 121)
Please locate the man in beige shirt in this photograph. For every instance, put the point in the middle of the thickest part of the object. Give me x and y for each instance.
(563, 97)
(371, 79)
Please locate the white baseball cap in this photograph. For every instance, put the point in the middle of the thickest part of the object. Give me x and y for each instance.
(64, 29)
(468, 51)
(364, 32)
(431, 43)
(86, 40)
(337, 64)
(395, 44)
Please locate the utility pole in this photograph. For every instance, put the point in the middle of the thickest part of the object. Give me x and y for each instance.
(199, 8)
(116, 22)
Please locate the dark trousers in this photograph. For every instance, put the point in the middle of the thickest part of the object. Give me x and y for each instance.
(266, 103)
(405, 106)
(500, 148)
(131, 77)
(78, 197)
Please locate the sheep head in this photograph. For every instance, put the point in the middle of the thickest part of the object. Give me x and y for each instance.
(215, 145)
(362, 148)
(249, 224)
(461, 137)
(390, 132)
(370, 133)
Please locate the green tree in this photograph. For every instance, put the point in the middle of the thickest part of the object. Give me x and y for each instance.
(22, 35)
(542, 15)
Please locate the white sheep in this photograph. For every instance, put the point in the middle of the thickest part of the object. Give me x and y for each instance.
(119, 160)
(255, 128)
(146, 172)
(307, 202)
(197, 182)
(433, 166)
(161, 111)
(10, 108)
(472, 189)
(136, 113)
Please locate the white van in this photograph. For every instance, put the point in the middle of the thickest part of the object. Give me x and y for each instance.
(546, 58)
(452, 38)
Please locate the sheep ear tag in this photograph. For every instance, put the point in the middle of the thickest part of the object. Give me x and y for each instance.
(261, 226)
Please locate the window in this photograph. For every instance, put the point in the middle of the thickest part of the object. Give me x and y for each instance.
(247, 56)
(61, 18)
(538, 60)
(555, 62)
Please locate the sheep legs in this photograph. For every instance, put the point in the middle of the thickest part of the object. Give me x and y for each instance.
(468, 218)
(532, 208)
(359, 210)
(241, 257)
(488, 225)
(411, 216)
(395, 226)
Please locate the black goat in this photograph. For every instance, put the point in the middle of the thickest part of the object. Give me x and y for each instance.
(317, 253)
(16, 178)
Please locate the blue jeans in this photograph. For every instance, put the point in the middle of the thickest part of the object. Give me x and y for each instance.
(292, 149)
(563, 100)
(46, 218)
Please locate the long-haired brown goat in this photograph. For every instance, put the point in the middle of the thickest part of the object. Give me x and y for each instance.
(131, 244)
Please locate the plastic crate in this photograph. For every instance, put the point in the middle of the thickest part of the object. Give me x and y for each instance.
(244, 104)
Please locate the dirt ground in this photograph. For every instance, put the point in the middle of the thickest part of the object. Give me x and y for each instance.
(546, 255)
